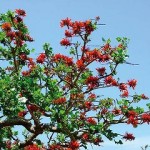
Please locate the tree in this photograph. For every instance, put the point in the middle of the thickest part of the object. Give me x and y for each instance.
(57, 95)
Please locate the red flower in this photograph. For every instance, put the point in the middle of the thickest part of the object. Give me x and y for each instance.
(41, 58)
(85, 136)
(106, 47)
(23, 56)
(18, 20)
(68, 34)
(11, 35)
(132, 83)
(93, 55)
(132, 118)
(6, 26)
(129, 136)
(146, 118)
(19, 42)
(82, 116)
(80, 64)
(103, 111)
(116, 111)
(8, 144)
(88, 104)
(32, 107)
(133, 121)
(28, 38)
(77, 26)
(74, 145)
(97, 141)
(123, 87)
(88, 26)
(108, 80)
(92, 82)
(65, 42)
(32, 147)
(114, 83)
(101, 71)
(55, 147)
(92, 96)
(31, 63)
(144, 97)
(92, 121)
(20, 12)
(59, 101)
(65, 22)
(22, 113)
(59, 57)
(104, 58)
(26, 73)
(125, 93)
(131, 113)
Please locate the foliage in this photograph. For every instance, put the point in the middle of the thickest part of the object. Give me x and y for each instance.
(57, 95)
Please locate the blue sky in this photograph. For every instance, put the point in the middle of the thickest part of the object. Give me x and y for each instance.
(124, 18)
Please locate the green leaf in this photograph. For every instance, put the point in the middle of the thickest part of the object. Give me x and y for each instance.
(118, 39)
(103, 39)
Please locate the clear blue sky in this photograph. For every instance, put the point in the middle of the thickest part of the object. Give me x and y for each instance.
(129, 18)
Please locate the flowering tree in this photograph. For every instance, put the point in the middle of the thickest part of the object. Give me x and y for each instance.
(57, 95)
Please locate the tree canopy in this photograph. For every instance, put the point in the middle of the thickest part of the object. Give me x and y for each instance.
(56, 95)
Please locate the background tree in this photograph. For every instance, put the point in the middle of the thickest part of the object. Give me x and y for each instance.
(57, 95)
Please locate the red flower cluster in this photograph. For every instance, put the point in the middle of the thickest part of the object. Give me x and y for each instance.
(32, 107)
(55, 147)
(123, 89)
(92, 82)
(11, 35)
(79, 27)
(129, 136)
(20, 12)
(144, 97)
(22, 113)
(132, 118)
(8, 144)
(59, 101)
(75, 28)
(146, 118)
(6, 26)
(92, 96)
(101, 71)
(26, 73)
(106, 47)
(33, 147)
(23, 56)
(31, 65)
(85, 136)
(125, 93)
(103, 111)
(91, 120)
(62, 58)
(41, 58)
(66, 22)
(68, 33)
(97, 141)
(65, 42)
(116, 111)
(74, 145)
(110, 81)
(88, 104)
(93, 55)
(80, 64)
(132, 83)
